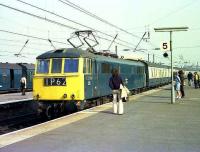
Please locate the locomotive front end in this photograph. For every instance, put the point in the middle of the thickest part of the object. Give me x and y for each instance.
(58, 79)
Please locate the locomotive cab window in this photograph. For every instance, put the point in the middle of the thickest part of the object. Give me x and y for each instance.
(56, 66)
(71, 65)
(43, 66)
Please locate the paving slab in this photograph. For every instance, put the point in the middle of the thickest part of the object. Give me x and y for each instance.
(150, 124)
(14, 97)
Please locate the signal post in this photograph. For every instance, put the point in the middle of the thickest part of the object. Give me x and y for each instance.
(171, 29)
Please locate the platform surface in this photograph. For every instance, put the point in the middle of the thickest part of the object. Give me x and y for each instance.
(14, 97)
(150, 124)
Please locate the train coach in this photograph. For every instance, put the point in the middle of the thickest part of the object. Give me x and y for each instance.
(11, 73)
(72, 74)
(157, 75)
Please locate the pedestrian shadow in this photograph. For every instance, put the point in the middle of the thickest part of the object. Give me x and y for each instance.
(165, 97)
(147, 101)
(107, 112)
(167, 89)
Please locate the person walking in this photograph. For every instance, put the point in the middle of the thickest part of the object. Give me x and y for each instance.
(114, 83)
(181, 75)
(23, 85)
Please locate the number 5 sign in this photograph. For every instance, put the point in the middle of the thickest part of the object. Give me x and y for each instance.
(165, 46)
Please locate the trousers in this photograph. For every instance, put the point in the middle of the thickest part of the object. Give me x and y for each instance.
(118, 107)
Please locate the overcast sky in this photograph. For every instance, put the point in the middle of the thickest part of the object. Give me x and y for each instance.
(130, 19)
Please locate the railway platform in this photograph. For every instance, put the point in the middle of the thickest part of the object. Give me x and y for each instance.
(10, 98)
(13, 105)
(150, 124)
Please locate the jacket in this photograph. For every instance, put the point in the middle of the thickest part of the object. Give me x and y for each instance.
(114, 82)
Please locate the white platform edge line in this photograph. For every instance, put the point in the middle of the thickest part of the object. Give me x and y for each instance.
(15, 101)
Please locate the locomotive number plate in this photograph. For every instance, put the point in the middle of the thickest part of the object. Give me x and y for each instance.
(54, 81)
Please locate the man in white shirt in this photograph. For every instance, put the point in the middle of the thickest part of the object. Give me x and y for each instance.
(23, 84)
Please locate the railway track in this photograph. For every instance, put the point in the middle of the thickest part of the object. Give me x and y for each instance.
(24, 120)
(19, 122)
(27, 119)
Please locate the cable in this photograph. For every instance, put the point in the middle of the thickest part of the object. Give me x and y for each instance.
(173, 12)
(51, 21)
(34, 37)
(19, 41)
(36, 49)
(37, 16)
(52, 13)
(52, 40)
(95, 16)
(187, 47)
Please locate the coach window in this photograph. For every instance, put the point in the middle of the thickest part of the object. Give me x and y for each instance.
(56, 66)
(43, 66)
(71, 65)
(87, 66)
(139, 70)
(105, 68)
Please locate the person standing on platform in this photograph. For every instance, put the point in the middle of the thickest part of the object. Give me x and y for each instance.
(177, 86)
(114, 83)
(196, 80)
(190, 78)
(23, 85)
(181, 75)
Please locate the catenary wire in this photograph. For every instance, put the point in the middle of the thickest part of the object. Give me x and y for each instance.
(66, 2)
(55, 14)
(54, 22)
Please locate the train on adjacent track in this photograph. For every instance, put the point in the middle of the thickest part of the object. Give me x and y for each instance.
(77, 76)
(11, 73)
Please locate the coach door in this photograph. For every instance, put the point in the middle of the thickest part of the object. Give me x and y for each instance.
(88, 80)
(95, 78)
(11, 78)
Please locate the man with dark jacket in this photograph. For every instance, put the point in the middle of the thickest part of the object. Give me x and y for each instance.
(190, 78)
(181, 75)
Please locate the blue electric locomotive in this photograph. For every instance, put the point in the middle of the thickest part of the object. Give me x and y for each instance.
(77, 75)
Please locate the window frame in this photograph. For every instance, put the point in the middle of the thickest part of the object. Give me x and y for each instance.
(38, 61)
(64, 64)
(87, 66)
(53, 64)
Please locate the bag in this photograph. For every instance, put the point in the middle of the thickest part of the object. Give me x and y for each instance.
(124, 91)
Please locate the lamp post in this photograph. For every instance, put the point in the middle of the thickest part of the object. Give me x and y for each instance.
(170, 30)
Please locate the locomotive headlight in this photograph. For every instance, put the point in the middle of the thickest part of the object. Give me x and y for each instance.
(65, 96)
(37, 96)
(73, 96)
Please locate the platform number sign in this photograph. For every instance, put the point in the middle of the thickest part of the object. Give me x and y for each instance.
(165, 46)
